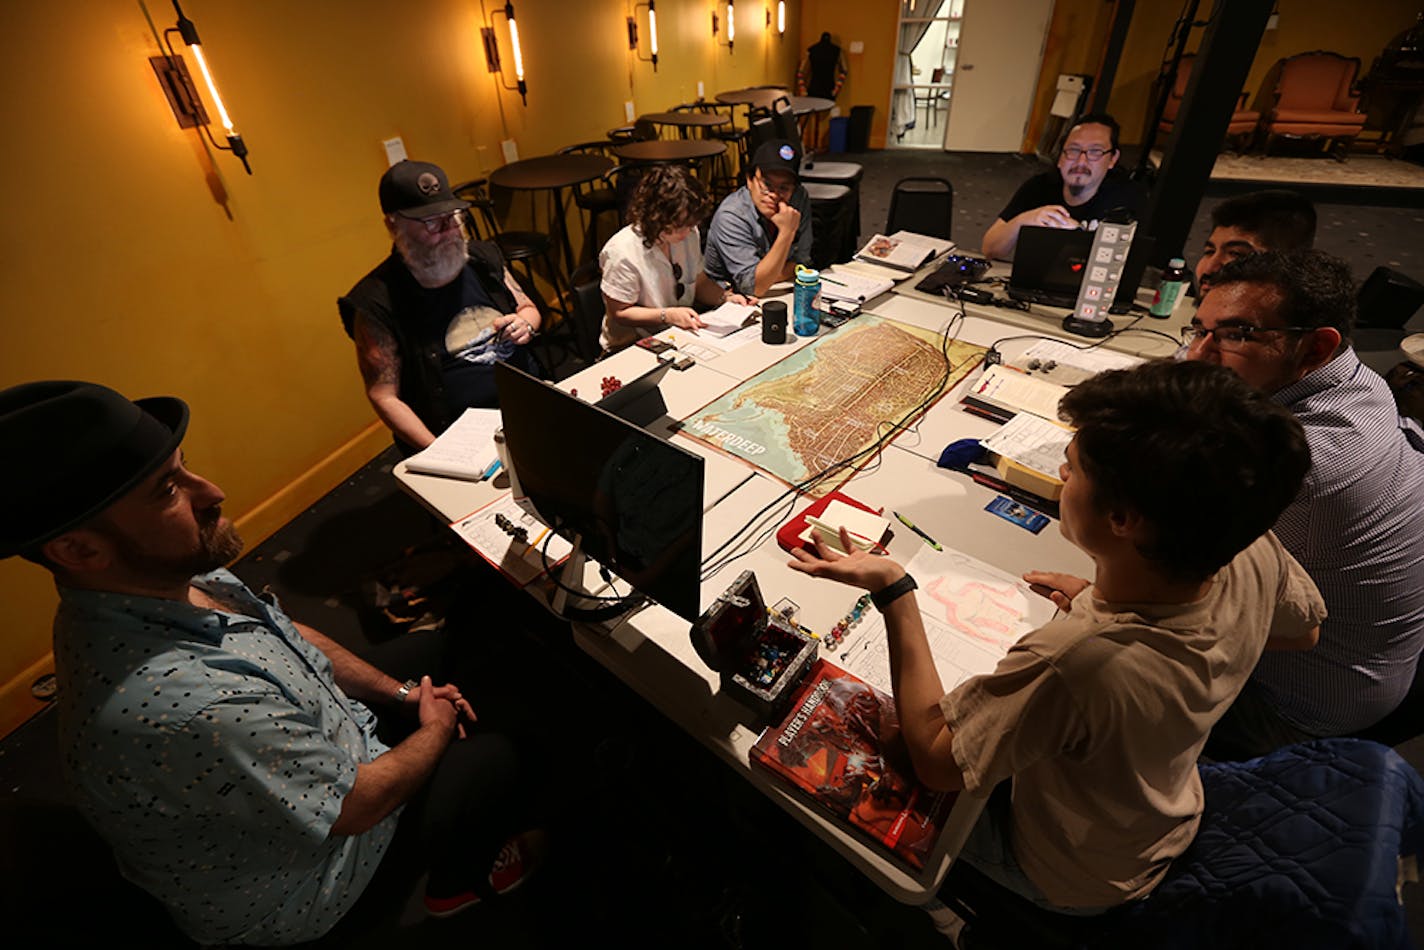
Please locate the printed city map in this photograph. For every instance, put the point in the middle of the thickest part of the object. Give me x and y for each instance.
(832, 400)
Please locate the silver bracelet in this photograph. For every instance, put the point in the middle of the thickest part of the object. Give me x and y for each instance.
(405, 689)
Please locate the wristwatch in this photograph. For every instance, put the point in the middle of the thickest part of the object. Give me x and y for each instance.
(405, 689)
(883, 597)
(662, 316)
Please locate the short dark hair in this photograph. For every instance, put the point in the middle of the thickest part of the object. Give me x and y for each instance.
(667, 197)
(1316, 289)
(1097, 118)
(1170, 440)
(1282, 220)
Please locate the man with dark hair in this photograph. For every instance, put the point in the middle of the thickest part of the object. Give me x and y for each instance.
(760, 232)
(228, 754)
(431, 320)
(1083, 189)
(1282, 322)
(1171, 482)
(1271, 220)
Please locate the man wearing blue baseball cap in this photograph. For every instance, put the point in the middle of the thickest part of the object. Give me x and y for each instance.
(228, 754)
(762, 231)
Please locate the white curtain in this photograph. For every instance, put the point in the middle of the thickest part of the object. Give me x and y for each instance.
(902, 106)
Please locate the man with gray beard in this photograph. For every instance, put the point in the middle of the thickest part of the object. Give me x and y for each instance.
(431, 320)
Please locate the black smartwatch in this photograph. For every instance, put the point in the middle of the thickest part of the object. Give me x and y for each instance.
(883, 597)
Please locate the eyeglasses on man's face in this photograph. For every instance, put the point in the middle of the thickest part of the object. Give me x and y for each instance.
(1234, 336)
(1094, 154)
(440, 222)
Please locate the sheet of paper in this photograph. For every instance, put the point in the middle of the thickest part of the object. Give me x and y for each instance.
(464, 450)
(1018, 391)
(937, 245)
(522, 561)
(726, 319)
(1093, 361)
(704, 346)
(972, 612)
(838, 283)
(1032, 442)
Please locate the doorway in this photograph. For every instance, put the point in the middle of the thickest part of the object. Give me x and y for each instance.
(924, 72)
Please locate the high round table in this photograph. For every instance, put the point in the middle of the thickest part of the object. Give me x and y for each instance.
(755, 98)
(805, 105)
(685, 121)
(659, 151)
(552, 173)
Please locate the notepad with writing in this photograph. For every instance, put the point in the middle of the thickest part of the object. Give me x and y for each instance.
(1004, 392)
(464, 450)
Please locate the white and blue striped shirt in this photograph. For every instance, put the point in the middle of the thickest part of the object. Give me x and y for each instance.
(1357, 527)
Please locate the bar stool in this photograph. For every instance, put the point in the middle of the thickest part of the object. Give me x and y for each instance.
(595, 198)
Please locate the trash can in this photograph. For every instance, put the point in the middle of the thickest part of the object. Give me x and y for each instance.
(858, 134)
(840, 130)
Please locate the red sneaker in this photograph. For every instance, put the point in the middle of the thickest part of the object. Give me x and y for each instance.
(516, 863)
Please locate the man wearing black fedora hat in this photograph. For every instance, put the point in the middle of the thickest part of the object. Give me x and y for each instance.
(431, 320)
(227, 753)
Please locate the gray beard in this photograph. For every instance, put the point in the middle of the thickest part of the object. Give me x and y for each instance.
(433, 267)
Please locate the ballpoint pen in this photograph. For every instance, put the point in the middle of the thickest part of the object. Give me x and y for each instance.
(490, 472)
(913, 527)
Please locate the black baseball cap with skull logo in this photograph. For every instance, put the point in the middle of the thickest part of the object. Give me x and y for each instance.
(417, 190)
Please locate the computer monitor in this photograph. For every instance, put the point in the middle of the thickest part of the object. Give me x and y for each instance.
(630, 500)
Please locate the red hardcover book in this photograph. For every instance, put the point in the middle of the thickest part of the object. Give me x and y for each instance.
(789, 534)
(841, 746)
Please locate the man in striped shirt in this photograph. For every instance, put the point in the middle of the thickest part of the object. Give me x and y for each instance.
(1282, 321)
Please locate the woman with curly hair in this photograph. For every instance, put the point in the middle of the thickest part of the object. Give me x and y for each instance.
(652, 269)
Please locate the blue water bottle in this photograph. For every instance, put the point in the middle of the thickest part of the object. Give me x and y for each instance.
(806, 319)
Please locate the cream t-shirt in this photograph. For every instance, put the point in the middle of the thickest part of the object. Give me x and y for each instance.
(1100, 716)
(636, 274)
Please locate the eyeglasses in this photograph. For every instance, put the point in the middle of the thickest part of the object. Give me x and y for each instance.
(678, 286)
(439, 222)
(1234, 336)
(783, 189)
(1094, 154)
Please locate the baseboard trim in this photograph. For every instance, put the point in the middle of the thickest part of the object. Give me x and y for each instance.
(17, 705)
(268, 517)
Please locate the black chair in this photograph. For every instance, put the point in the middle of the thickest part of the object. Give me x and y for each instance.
(588, 313)
(595, 198)
(519, 248)
(922, 205)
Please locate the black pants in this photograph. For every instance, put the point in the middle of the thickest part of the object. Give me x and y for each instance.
(454, 826)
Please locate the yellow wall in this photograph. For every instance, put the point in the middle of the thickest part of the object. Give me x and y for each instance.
(136, 259)
(869, 74)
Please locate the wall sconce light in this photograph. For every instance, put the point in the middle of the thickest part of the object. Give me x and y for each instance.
(182, 95)
(731, 27)
(781, 18)
(492, 52)
(652, 32)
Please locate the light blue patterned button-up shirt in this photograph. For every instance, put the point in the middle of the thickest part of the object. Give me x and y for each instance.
(213, 749)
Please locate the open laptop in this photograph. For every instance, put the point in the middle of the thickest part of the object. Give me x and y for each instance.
(1048, 267)
(639, 400)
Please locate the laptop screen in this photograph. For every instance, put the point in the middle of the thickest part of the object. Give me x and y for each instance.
(1049, 262)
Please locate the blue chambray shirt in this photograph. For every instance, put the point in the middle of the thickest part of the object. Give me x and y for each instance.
(739, 237)
(213, 749)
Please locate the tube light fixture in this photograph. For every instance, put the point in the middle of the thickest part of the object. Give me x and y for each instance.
(652, 32)
(781, 17)
(492, 60)
(183, 96)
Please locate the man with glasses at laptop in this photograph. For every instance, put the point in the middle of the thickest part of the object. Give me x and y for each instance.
(1282, 320)
(762, 231)
(432, 318)
(1079, 192)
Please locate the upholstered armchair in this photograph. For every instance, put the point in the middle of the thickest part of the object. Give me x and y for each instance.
(1242, 128)
(1315, 98)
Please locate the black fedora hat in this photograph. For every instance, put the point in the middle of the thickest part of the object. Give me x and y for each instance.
(72, 450)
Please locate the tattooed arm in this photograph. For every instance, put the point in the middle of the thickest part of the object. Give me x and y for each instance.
(380, 364)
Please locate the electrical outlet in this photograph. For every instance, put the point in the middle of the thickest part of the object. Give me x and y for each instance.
(510, 150)
(857, 47)
(628, 109)
(701, 92)
(395, 150)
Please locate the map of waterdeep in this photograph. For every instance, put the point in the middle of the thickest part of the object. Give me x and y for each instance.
(833, 399)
